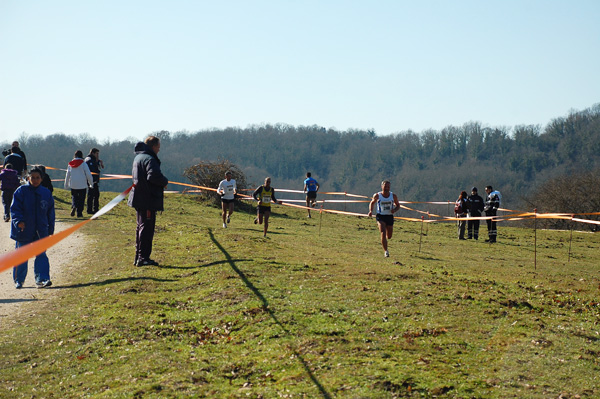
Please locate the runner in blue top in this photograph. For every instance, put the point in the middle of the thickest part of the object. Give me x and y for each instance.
(310, 188)
(387, 204)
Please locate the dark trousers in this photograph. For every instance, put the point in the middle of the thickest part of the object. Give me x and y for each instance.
(93, 199)
(7, 197)
(144, 234)
(492, 229)
(78, 200)
(473, 229)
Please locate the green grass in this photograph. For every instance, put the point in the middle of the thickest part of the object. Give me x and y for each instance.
(314, 310)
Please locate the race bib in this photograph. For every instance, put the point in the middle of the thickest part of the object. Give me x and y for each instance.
(230, 189)
(386, 206)
(266, 199)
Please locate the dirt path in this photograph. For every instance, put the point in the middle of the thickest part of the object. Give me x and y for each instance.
(64, 258)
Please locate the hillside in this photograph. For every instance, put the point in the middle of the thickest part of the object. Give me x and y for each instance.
(428, 166)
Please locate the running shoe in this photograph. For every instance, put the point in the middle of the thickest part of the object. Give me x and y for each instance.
(224, 225)
(43, 284)
(18, 285)
(228, 219)
(387, 254)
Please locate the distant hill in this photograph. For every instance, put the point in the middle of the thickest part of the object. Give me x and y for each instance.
(427, 166)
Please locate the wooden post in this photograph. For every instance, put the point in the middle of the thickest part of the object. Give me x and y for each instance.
(535, 239)
(320, 219)
(570, 241)
(421, 236)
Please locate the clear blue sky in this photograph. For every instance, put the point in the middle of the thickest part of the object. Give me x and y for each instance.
(117, 69)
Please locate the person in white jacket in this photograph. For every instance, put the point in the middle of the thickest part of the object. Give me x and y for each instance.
(78, 179)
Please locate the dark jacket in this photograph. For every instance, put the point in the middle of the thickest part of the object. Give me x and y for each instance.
(35, 207)
(92, 163)
(492, 203)
(475, 205)
(147, 194)
(17, 162)
(47, 182)
(9, 180)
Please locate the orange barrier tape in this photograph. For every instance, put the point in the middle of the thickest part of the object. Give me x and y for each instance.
(35, 248)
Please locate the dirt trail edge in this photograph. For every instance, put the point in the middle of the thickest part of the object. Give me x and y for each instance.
(64, 258)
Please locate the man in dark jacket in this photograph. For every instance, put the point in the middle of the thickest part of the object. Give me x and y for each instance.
(492, 203)
(16, 160)
(146, 196)
(9, 182)
(475, 205)
(94, 163)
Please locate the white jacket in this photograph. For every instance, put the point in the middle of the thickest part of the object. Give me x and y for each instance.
(78, 175)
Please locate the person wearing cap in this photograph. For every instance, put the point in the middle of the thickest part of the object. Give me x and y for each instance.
(387, 203)
(227, 190)
(475, 207)
(492, 203)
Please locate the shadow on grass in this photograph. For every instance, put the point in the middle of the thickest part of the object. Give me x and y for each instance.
(220, 262)
(2, 301)
(114, 281)
(265, 305)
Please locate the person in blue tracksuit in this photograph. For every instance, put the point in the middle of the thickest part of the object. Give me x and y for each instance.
(32, 214)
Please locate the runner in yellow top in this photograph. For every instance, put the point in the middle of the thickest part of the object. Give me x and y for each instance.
(264, 194)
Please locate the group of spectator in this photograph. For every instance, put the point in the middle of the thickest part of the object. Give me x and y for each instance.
(30, 204)
(468, 208)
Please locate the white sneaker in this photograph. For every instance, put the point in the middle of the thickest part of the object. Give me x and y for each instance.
(224, 225)
(387, 254)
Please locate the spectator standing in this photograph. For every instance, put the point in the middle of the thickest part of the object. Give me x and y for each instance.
(460, 210)
(146, 196)
(32, 213)
(9, 182)
(46, 181)
(16, 160)
(387, 203)
(94, 163)
(311, 186)
(475, 207)
(21, 153)
(227, 189)
(264, 194)
(78, 179)
(492, 203)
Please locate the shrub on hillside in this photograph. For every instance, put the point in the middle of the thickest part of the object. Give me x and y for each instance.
(210, 174)
(578, 193)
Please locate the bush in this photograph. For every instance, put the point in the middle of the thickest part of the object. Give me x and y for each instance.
(210, 174)
(578, 193)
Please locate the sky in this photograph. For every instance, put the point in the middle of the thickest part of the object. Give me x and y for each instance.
(124, 69)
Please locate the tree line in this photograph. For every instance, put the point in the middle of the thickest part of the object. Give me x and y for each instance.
(432, 165)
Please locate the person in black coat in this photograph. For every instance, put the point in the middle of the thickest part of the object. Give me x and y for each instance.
(146, 196)
(94, 162)
(475, 206)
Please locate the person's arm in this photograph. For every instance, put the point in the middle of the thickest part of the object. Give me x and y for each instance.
(397, 203)
(305, 189)
(51, 216)
(88, 174)
(257, 193)
(318, 187)
(220, 189)
(68, 178)
(372, 203)
(273, 196)
(155, 176)
(17, 213)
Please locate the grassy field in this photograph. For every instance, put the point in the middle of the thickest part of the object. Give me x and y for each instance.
(312, 311)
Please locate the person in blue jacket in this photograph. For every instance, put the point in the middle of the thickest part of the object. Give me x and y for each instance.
(146, 196)
(32, 214)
